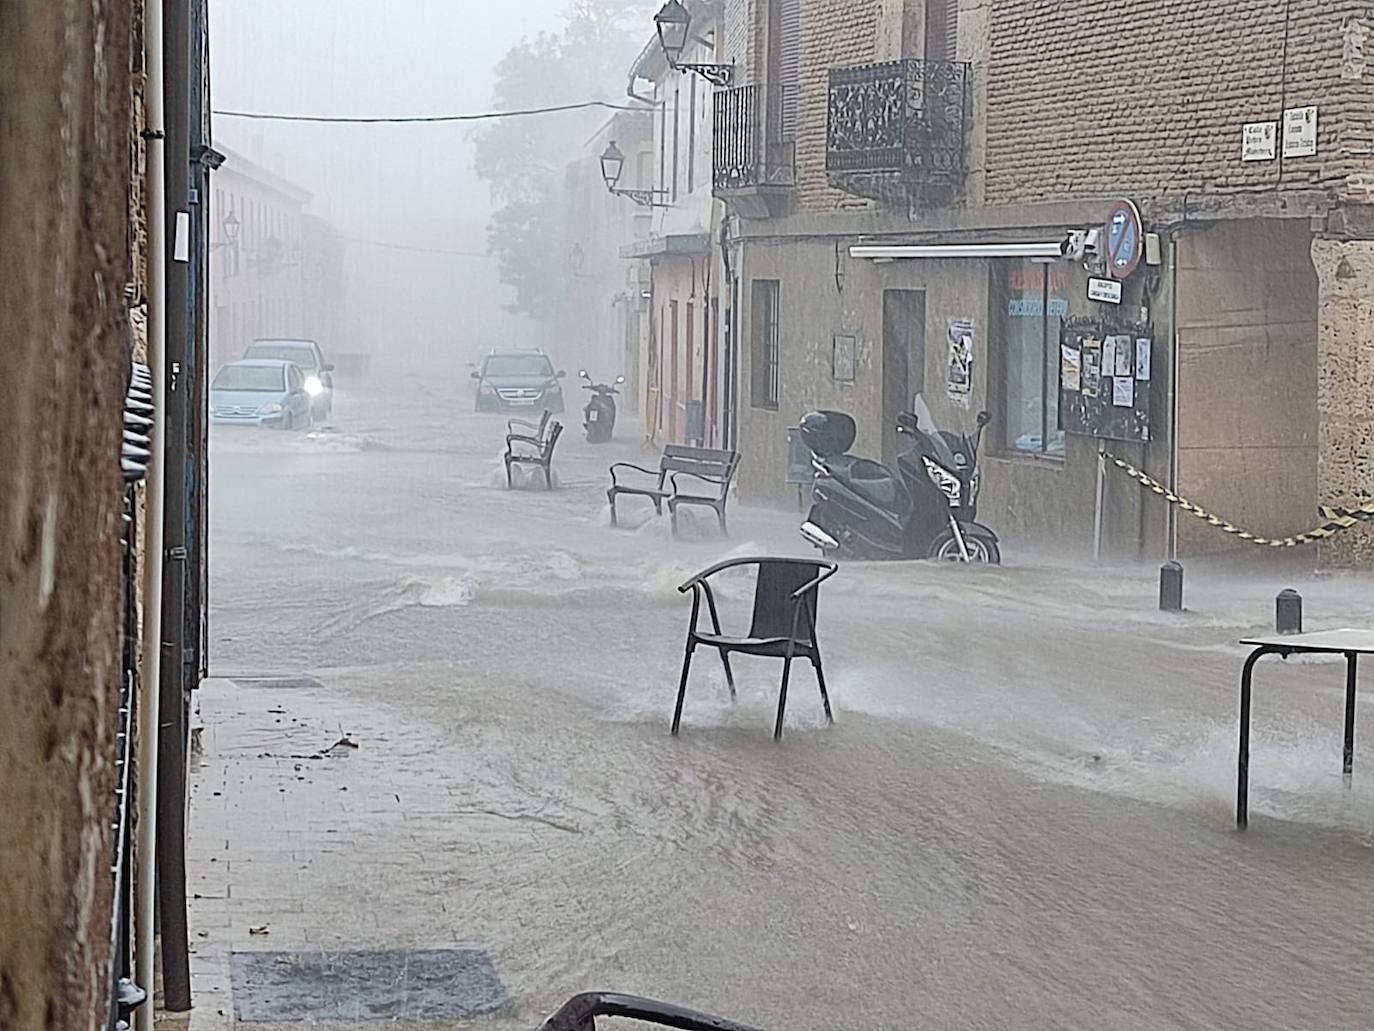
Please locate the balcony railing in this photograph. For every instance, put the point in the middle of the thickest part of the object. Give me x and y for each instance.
(899, 123)
(751, 145)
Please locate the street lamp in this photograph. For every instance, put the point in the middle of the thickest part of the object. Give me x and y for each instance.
(674, 24)
(229, 227)
(613, 167)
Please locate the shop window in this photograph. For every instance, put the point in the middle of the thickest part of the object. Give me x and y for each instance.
(766, 295)
(1035, 298)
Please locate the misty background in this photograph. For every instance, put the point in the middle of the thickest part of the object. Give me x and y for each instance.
(415, 188)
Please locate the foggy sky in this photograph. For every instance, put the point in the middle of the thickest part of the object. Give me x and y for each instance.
(404, 184)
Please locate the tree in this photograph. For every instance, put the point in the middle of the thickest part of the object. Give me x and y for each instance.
(523, 160)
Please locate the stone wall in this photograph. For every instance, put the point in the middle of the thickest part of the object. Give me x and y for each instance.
(65, 117)
(1142, 97)
(1345, 386)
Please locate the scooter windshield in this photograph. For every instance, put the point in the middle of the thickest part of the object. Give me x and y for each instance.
(925, 422)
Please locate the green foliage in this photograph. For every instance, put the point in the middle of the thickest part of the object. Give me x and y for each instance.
(523, 160)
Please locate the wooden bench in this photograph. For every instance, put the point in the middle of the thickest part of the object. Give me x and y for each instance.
(685, 476)
(524, 449)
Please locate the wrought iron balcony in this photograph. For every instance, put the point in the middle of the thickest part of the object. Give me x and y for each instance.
(753, 149)
(898, 127)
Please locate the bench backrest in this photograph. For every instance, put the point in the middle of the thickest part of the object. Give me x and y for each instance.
(555, 431)
(700, 461)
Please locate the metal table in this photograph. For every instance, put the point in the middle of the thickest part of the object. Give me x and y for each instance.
(1350, 643)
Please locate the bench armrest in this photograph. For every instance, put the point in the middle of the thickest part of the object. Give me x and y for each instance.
(615, 480)
(716, 481)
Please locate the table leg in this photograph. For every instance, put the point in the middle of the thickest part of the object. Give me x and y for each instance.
(1243, 766)
(1349, 754)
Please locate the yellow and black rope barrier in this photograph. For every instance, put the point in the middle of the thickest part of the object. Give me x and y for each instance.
(1336, 518)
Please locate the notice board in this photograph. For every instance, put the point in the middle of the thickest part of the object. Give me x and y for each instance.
(1106, 370)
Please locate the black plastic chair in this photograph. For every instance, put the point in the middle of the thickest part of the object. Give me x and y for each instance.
(580, 1014)
(784, 624)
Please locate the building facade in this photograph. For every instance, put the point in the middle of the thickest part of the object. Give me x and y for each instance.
(257, 233)
(918, 194)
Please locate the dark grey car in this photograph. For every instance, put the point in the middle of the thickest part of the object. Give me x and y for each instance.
(518, 380)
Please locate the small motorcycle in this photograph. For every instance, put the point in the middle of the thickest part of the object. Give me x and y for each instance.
(599, 416)
(927, 508)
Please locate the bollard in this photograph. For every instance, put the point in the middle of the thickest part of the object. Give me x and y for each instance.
(1288, 612)
(1171, 587)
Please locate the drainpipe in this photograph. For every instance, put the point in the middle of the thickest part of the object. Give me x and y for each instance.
(1173, 390)
(151, 642)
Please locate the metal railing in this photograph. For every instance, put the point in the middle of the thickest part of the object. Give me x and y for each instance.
(901, 118)
(750, 141)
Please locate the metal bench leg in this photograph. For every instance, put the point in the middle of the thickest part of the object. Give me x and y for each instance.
(510, 483)
(672, 515)
(611, 496)
(1243, 765)
(548, 476)
(1349, 753)
(720, 514)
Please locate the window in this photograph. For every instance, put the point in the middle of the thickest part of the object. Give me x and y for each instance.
(942, 30)
(765, 343)
(1035, 299)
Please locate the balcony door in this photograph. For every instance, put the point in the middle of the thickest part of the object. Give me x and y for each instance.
(942, 30)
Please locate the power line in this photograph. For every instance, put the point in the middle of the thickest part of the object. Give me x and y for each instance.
(481, 117)
(419, 250)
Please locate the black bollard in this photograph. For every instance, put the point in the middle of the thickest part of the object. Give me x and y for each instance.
(1171, 587)
(1288, 612)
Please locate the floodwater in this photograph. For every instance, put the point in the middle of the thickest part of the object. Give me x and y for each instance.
(1023, 817)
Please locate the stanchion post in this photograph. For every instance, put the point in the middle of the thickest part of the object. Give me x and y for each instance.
(1288, 612)
(1101, 500)
(1171, 587)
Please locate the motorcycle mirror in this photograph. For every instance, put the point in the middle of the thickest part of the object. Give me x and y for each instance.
(984, 417)
(583, 374)
(620, 379)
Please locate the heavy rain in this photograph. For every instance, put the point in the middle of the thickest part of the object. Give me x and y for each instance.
(767, 508)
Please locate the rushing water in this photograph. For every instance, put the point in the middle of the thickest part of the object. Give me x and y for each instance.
(1023, 818)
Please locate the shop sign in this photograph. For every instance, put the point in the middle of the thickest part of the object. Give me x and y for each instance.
(1105, 290)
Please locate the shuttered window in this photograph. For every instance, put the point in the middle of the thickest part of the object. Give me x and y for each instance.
(785, 61)
(942, 30)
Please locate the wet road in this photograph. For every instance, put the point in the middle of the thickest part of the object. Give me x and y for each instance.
(1021, 820)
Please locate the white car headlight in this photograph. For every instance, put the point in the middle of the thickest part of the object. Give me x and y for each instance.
(271, 409)
(314, 386)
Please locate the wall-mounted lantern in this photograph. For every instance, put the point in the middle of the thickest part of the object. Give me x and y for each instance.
(674, 23)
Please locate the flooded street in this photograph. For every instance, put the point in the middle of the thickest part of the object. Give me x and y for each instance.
(1023, 817)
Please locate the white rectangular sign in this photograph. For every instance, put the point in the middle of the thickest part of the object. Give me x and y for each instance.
(1259, 141)
(1108, 290)
(1300, 132)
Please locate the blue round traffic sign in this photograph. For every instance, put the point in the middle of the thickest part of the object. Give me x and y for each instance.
(1125, 237)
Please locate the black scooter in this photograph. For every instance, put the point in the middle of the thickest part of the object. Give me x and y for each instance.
(927, 509)
(599, 416)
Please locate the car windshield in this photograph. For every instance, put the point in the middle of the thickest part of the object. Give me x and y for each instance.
(255, 378)
(517, 365)
(298, 353)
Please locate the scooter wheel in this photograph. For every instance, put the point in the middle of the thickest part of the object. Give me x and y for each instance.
(980, 551)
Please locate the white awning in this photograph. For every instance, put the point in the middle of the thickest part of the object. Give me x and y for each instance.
(892, 252)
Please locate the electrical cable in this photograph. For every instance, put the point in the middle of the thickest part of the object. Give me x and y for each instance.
(419, 249)
(410, 119)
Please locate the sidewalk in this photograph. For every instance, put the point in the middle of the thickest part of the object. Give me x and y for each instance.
(304, 815)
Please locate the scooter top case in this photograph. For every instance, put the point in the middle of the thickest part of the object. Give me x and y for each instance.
(828, 434)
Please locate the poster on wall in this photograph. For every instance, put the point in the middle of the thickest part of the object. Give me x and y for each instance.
(960, 361)
(1104, 379)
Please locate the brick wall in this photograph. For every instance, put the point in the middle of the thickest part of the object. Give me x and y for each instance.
(837, 33)
(1149, 96)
